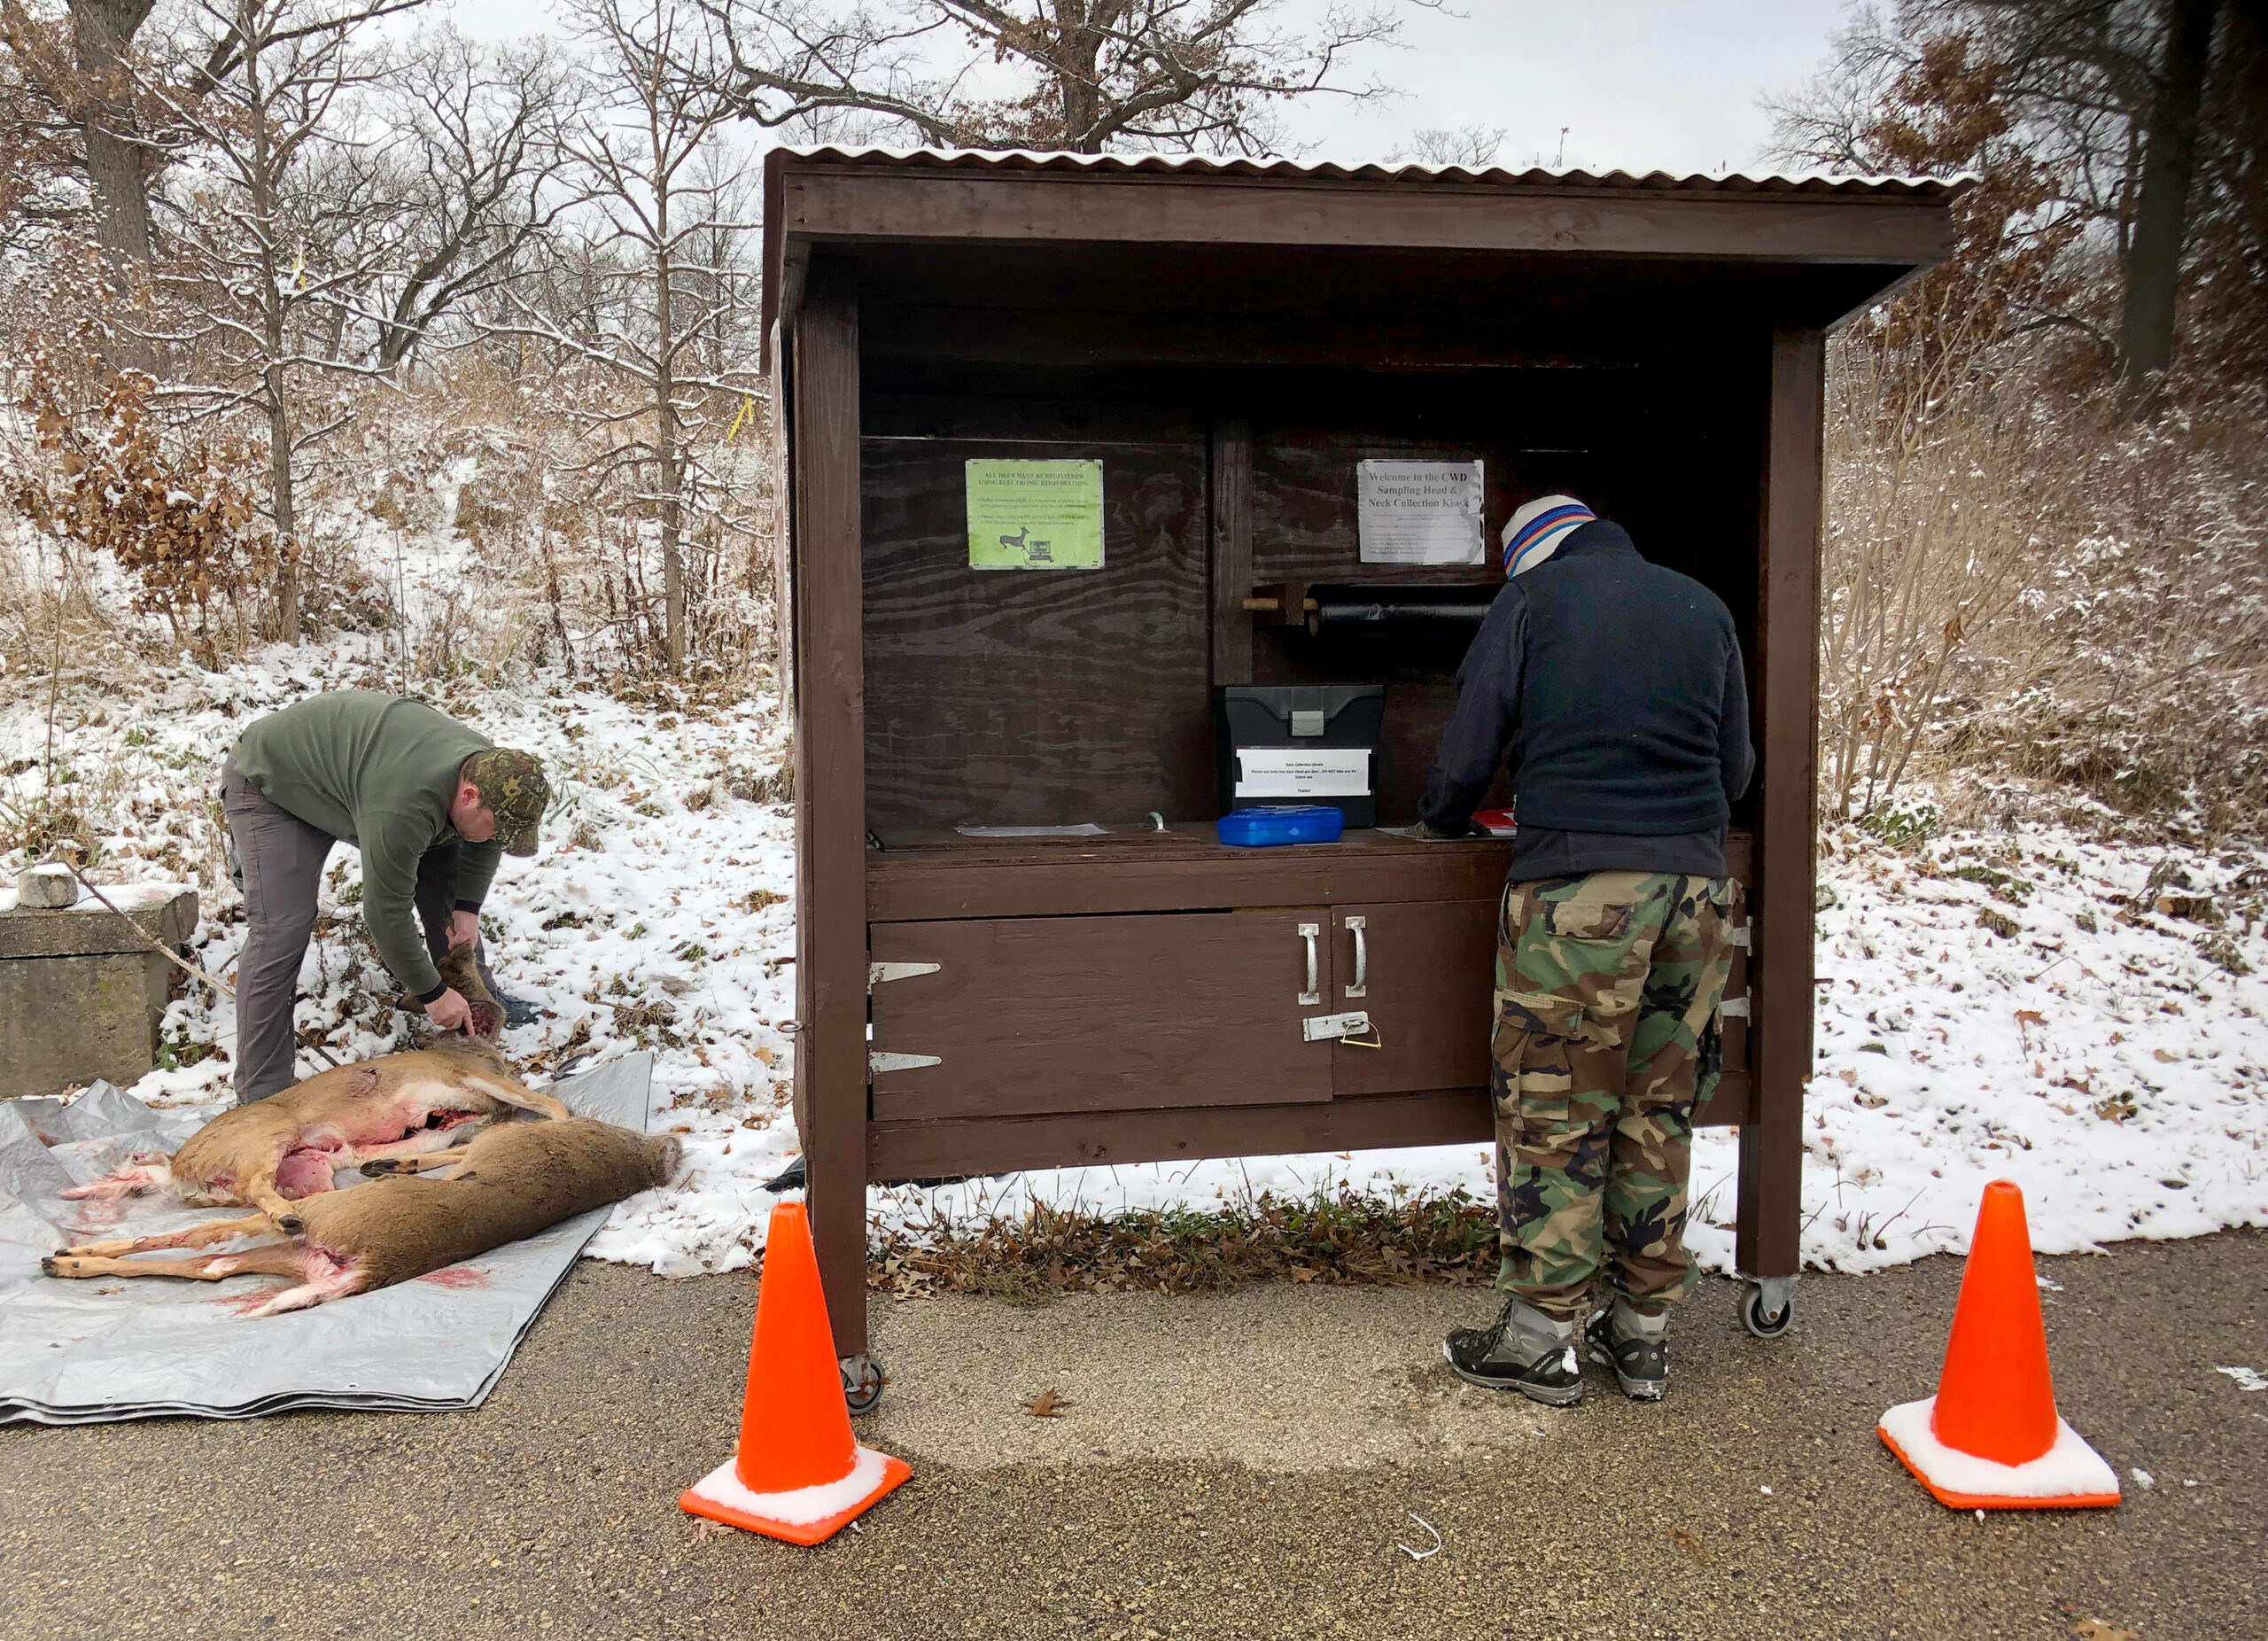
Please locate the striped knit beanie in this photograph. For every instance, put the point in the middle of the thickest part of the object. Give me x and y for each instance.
(1536, 532)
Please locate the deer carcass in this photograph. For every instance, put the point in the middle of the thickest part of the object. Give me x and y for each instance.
(514, 1181)
(274, 1151)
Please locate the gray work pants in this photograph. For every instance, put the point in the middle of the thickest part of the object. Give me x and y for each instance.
(279, 867)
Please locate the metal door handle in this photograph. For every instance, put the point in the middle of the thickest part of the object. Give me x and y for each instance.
(1313, 993)
(1361, 988)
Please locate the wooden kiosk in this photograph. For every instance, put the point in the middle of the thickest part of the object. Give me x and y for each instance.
(1230, 338)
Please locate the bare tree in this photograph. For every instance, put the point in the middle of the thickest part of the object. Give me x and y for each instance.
(481, 148)
(257, 283)
(38, 139)
(657, 302)
(2161, 216)
(103, 31)
(2141, 123)
(1474, 147)
(1086, 74)
(79, 60)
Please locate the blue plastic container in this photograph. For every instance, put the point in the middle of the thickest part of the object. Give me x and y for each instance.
(1282, 823)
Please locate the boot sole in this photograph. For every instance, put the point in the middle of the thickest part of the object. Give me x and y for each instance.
(1636, 1389)
(1550, 1396)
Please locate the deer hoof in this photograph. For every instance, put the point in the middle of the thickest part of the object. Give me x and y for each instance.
(379, 1167)
(289, 1225)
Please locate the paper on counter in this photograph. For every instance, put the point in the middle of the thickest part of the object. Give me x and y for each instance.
(1086, 828)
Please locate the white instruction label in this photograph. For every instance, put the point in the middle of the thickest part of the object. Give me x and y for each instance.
(1303, 772)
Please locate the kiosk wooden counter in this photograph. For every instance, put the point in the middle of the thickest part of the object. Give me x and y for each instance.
(1228, 340)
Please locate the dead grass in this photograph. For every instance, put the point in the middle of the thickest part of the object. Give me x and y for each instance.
(1342, 1240)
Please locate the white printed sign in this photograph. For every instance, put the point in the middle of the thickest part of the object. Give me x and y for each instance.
(1422, 512)
(1303, 772)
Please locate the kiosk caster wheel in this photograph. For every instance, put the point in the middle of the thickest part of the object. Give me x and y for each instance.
(1767, 1309)
(862, 1383)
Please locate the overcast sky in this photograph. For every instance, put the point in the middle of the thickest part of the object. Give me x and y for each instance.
(1637, 84)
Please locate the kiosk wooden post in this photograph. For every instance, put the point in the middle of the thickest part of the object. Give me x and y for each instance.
(1229, 339)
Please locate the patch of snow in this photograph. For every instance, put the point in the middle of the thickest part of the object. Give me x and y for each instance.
(2068, 1469)
(802, 1506)
(2247, 1378)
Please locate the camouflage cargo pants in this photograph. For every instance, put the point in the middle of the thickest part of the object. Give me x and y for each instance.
(1607, 988)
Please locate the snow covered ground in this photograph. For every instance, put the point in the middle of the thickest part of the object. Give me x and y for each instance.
(2006, 1004)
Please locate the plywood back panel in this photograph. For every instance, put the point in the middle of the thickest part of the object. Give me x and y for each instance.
(1671, 451)
(1035, 697)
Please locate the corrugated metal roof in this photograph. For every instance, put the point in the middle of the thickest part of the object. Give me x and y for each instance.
(1817, 183)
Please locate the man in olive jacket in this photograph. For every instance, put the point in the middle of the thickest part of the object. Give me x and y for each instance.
(431, 804)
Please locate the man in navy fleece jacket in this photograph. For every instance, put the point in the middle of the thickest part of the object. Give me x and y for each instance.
(1615, 687)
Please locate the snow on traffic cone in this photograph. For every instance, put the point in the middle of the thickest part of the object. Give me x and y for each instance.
(1990, 1438)
(798, 1475)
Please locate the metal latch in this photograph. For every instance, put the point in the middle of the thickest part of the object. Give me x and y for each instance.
(1307, 723)
(1733, 1007)
(901, 1062)
(1739, 937)
(876, 973)
(1323, 1028)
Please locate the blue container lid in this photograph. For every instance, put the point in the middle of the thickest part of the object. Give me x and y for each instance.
(1282, 823)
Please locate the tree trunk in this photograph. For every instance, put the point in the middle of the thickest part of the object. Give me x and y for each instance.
(265, 179)
(102, 33)
(2162, 218)
(665, 438)
(279, 480)
(1079, 67)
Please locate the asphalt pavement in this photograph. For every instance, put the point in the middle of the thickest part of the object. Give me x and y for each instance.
(1276, 1462)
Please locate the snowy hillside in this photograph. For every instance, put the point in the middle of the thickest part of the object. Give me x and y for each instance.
(2021, 1005)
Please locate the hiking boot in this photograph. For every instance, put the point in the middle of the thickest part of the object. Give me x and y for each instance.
(1634, 1345)
(1523, 1350)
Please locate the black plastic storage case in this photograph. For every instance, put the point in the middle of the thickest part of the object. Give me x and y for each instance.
(1295, 716)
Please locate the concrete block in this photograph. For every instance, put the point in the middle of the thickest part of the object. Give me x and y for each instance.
(80, 996)
(70, 1020)
(46, 887)
(166, 912)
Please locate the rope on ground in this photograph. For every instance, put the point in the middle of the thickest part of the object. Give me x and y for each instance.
(221, 988)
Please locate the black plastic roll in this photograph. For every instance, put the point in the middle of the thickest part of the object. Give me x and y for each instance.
(1348, 609)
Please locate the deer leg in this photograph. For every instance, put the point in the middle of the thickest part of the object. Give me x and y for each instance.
(523, 1099)
(193, 1236)
(323, 1276)
(278, 1259)
(378, 1168)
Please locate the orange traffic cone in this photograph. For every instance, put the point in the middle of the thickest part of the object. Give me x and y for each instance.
(798, 1475)
(1990, 1438)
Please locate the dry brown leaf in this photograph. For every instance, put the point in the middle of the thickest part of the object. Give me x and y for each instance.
(2096, 1630)
(1047, 1405)
(2031, 1016)
(2163, 1058)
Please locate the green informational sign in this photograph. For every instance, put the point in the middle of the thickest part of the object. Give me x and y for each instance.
(1035, 515)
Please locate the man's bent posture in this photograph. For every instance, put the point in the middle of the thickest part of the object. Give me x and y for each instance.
(431, 804)
(1616, 686)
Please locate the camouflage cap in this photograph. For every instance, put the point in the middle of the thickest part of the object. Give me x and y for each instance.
(512, 786)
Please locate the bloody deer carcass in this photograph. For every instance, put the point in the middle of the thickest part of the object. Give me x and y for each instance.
(276, 1151)
(513, 1181)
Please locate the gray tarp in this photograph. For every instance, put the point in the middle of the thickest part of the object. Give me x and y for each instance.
(82, 1351)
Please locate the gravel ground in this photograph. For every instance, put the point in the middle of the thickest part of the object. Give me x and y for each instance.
(1242, 1465)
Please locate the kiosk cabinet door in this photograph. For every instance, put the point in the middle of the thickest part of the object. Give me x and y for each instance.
(1026, 1015)
(1425, 972)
